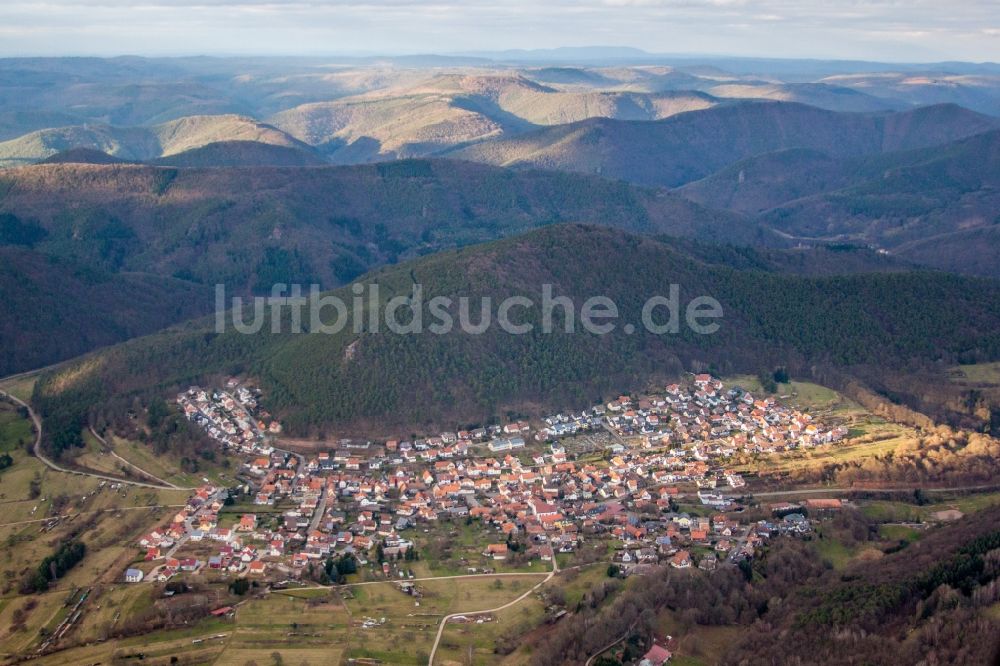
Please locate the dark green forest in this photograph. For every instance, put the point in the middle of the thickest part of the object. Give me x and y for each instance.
(318, 382)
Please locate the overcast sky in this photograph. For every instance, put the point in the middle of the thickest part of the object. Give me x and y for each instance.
(895, 30)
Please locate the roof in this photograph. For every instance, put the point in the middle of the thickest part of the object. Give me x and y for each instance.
(657, 654)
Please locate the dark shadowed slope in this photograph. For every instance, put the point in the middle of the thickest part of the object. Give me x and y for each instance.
(381, 380)
(938, 206)
(249, 228)
(55, 308)
(243, 226)
(690, 146)
(242, 154)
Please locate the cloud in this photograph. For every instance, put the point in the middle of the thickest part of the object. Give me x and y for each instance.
(870, 29)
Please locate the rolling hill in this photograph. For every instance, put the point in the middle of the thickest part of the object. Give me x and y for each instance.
(691, 146)
(378, 380)
(453, 110)
(222, 154)
(139, 144)
(936, 206)
(56, 308)
(977, 91)
(821, 95)
(251, 227)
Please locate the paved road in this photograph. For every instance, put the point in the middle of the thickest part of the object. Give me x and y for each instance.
(319, 511)
(444, 620)
(880, 489)
(59, 468)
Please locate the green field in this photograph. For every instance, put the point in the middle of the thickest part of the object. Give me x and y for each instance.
(980, 373)
(168, 466)
(20, 387)
(898, 511)
(801, 395)
(15, 431)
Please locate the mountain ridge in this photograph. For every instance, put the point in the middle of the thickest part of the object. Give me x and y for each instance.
(690, 146)
(390, 380)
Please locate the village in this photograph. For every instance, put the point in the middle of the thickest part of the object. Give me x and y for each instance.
(533, 493)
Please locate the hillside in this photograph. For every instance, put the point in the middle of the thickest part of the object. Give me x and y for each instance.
(381, 380)
(452, 110)
(41, 93)
(977, 91)
(55, 308)
(765, 181)
(329, 224)
(82, 156)
(250, 227)
(937, 207)
(820, 95)
(221, 154)
(930, 601)
(140, 144)
(691, 146)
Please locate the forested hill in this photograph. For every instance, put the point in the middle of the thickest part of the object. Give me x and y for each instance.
(690, 146)
(929, 602)
(56, 308)
(243, 226)
(382, 381)
(185, 230)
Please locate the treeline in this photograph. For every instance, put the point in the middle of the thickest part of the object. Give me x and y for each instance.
(382, 380)
(725, 597)
(941, 455)
(920, 604)
(54, 567)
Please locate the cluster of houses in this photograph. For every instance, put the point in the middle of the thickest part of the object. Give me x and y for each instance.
(227, 416)
(714, 420)
(198, 521)
(361, 495)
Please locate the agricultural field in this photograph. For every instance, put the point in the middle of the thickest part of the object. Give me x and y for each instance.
(15, 431)
(453, 548)
(801, 395)
(697, 645)
(309, 625)
(868, 435)
(894, 511)
(875, 438)
(987, 374)
(169, 468)
(42, 509)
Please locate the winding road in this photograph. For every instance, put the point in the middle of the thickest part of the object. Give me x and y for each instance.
(148, 475)
(37, 448)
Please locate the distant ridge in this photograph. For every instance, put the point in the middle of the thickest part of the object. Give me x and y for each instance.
(82, 156)
(142, 144)
(690, 146)
(222, 154)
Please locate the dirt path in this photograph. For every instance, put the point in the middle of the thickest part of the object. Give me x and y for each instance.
(146, 474)
(444, 620)
(65, 470)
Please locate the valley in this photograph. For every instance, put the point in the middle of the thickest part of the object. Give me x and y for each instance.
(449, 507)
(547, 357)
